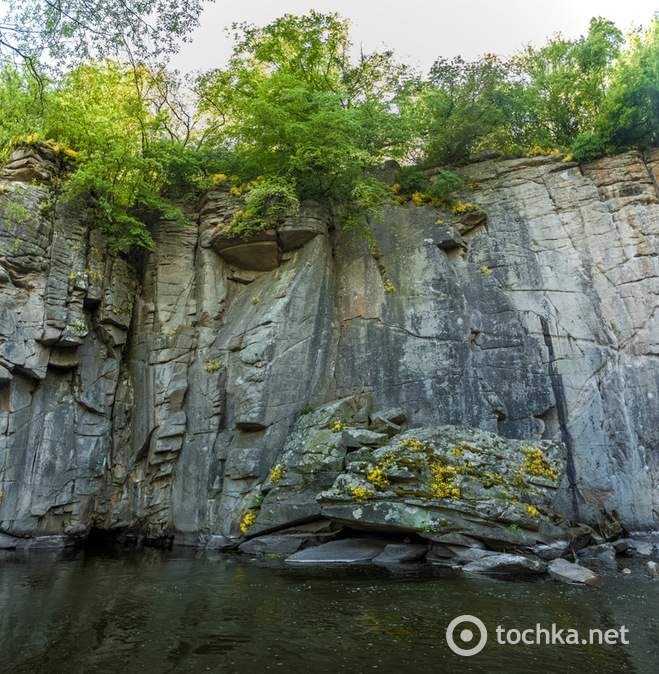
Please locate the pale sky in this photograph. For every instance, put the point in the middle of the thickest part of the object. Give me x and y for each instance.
(420, 30)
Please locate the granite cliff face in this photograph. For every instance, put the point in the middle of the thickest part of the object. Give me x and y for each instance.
(157, 398)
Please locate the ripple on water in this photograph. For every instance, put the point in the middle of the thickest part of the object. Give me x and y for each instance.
(155, 612)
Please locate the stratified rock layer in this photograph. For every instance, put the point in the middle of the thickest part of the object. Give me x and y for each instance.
(159, 399)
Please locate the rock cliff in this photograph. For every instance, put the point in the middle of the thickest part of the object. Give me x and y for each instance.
(160, 397)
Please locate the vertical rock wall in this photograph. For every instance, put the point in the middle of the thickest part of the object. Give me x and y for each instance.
(157, 400)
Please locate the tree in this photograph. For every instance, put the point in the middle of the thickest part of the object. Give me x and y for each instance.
(58, 32)
(461, 106)
(103, 111)
(566, 83)
(630, 114)
(296, 108)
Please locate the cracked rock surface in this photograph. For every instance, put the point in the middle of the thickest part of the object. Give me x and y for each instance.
(157, 397)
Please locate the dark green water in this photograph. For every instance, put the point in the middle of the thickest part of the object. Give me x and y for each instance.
(158, 612)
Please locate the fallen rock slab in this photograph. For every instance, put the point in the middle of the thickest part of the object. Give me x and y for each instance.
(440, 552)
(280, 544)
(387, 421)
(506, 564)
(349, 551)
(396, 553)
(567, 572)
(359, 437)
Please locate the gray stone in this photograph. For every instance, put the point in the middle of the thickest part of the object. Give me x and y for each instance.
(506, 564)
(286, 507)
(5, 375)
(349, 551)
(296, 232)
(8, 542)
(388, 173)
(396, 553)
(552, 550)
(641, 548)
(283, 544)
(567, 572)
(218, 543)
(387, 421)
(454, 538)
(358, 437)
(611, 530)
(652, 569)
(44, 543)
(460, 555)
(187, 388)
(620, 546)
(604, 552)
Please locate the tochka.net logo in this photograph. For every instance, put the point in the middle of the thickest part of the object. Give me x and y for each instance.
(461, 641)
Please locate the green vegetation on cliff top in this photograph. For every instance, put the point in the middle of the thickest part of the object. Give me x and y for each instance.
(292, 116)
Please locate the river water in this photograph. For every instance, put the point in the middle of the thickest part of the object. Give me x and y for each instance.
(155, 611)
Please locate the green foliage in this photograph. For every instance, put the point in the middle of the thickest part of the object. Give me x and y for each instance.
(630, 113)
(267, 203)
(295, 116)
(587, 146)
(461, 105)
(297, 108)
(566, 83)
(100, 110)
(413, 179)
(20, 111)
(366, 200)
(445, 182)
(68, 31)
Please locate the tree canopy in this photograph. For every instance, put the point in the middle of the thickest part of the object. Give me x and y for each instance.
(59, 32)
(297, 113)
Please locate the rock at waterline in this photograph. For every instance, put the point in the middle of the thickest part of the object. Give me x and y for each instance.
(567, 572)
(349, 551)
(395, 553)
(506, 564)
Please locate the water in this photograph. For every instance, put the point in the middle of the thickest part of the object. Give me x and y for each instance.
(157, 612)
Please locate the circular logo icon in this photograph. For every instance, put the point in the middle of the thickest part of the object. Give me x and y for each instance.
(466, 635)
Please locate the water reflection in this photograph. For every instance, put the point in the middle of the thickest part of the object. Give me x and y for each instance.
(157, 612)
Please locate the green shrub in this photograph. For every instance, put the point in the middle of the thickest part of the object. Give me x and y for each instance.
(412, 179)
(267, 203)
(445, 182)
(587, 146)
